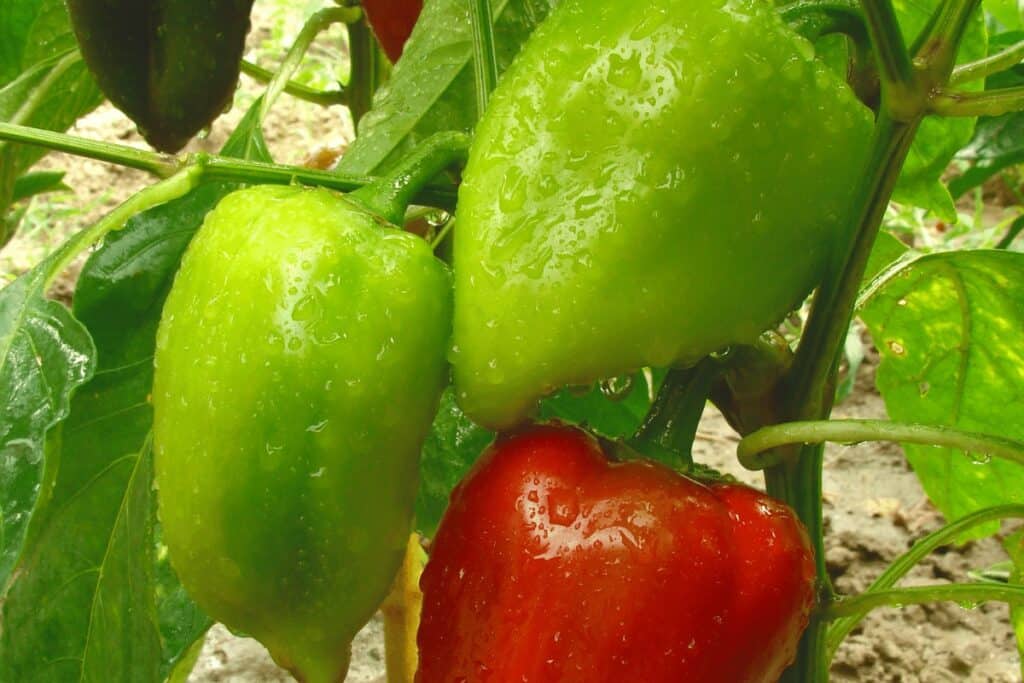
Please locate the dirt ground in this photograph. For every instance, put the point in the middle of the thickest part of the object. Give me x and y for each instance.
(874, 506)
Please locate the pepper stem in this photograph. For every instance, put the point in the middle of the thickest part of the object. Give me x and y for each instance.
(391, 194)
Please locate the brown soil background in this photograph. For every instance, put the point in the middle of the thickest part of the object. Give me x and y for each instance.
(874, 507)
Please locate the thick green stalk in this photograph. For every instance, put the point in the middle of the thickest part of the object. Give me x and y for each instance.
(671, 424)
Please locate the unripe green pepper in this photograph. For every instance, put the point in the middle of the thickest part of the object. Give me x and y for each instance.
(650, 182)
(170, 65)
(300, 360)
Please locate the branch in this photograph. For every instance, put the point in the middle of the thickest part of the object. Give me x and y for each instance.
(755, 450)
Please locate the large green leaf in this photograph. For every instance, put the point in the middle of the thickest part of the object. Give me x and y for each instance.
(950, 330)
(432, 87)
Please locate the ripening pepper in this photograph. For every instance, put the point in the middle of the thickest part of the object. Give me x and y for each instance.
(651, 182)
(300, 360)
(553, 563)
(392, 22)
(170, 65)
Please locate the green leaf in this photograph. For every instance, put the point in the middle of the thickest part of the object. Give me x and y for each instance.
(998, 141)
(1009, 13)
(432, 86)
(32, 184)
(886, 251)
(182, 623)
(452, 447)
(45, 354)
(950, 330)
(938, 139)
(1014, 545)
(31, 31)
(79, 598)
(43, 83)
(614, 408)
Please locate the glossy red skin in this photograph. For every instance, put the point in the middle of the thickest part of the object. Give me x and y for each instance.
(392, 22)
(554, 565)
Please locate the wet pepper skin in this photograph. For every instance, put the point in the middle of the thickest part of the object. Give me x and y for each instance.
(651, 182)
(300, 360)
(554, 565)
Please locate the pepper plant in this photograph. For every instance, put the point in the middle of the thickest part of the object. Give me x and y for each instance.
(264, 386)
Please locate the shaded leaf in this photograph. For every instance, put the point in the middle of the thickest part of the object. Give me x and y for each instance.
(451, 448)
(614, 408)
(32, 184)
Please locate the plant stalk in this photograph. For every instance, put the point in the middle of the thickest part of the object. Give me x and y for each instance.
(755, 451)
(214, 167)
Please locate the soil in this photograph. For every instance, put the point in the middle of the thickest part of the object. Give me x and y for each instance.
(874, 507)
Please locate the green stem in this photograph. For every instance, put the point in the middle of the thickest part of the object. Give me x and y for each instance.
(176, 186)
(160, 165)
(993, 64)
(1015, 229)
(991, 103)
(936, 48)
(842, 627)
(390, 195)
(797, 480)
(368, 69)
(485, 60)
(972, 593)
(215, 167)
(894, 66)
(833, 306)
(324, 98)
(313, 27)
(755, 450)
(671, 424)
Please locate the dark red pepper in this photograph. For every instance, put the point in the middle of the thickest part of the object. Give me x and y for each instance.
(392, 22)
(554, 564)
